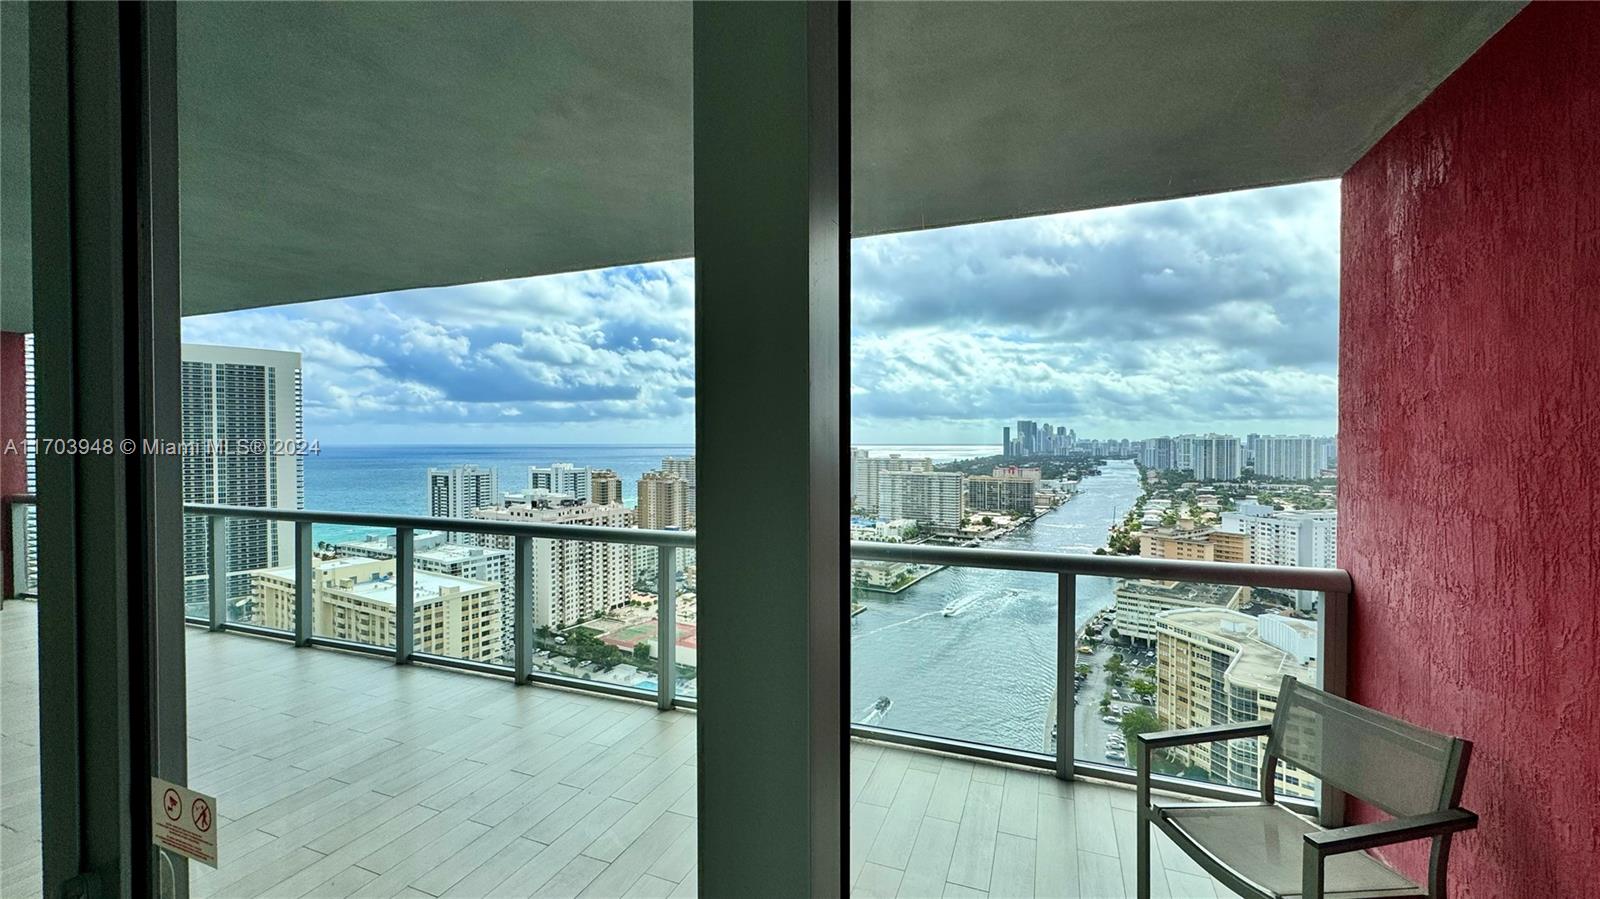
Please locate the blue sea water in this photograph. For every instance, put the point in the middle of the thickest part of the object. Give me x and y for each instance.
(394, 479)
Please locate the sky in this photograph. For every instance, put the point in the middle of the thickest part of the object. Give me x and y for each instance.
(1208, 313)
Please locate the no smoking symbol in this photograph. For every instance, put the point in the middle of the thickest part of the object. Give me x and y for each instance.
(171, 804)
(201, 812)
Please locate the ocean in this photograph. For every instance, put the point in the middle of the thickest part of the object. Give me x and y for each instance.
(394, 479)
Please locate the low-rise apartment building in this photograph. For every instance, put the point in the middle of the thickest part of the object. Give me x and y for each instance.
(1140, 601)
(354, 599)
(1195, 546)
(432, 552)
(1218, 666)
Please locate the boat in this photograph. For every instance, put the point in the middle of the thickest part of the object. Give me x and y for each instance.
(882, 705)
(956, 605)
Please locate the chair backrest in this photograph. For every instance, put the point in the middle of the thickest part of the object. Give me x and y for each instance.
(1398, 767)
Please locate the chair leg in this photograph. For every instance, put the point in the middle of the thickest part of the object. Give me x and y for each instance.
(1142, 863)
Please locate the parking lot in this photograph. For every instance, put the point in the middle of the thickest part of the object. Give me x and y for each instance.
(1091, 729)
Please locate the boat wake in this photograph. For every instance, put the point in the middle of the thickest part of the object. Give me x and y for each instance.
(889, 627)
(877, 711)
(958, 605)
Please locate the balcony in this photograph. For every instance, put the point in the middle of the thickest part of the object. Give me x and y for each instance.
(336, 770)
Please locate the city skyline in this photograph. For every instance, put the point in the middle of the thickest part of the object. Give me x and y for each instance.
(1213, 313)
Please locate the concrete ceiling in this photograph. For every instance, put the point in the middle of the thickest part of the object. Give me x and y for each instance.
(967, 112)
(329, 150)
(333, 149)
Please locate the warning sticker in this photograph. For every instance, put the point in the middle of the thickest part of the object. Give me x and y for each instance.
(184, 821)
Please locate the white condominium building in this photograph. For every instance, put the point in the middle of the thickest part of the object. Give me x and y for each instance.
(1216, 666)
(865, 471)
(242, 400)
(1009, 495)
(1298, 458)
(354, 599)
(1212, 457)
(573, 580)
(936, 497)
(1300, 538)
(561, 478)
(455, 492)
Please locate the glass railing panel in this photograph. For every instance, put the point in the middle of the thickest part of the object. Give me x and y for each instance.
(22, 555)
(196, 567)
(463, 595)
(259, 557)
(956, 653)
(1167, 655)
(261, 573)
(590, 613)
(354, 588)
(30, 554)
(686, 604)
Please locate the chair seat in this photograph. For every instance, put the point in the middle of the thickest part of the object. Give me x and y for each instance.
(1264, 845)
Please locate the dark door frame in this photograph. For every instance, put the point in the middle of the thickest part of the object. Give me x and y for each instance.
(102, 80)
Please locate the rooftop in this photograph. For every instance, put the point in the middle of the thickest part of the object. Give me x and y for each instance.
(375, 583)
(1256, 663)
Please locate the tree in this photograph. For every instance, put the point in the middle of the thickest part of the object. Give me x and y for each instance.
(1139, 721)
(1115, 665)
(987, 521)
(1144, 687)
(641, 652)
(1083, 670)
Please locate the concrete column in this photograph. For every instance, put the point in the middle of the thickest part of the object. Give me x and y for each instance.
(768, 436)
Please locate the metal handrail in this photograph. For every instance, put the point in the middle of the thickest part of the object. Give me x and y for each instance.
(523, 533)
(541, 530)
(1326, 580)
(586, 533)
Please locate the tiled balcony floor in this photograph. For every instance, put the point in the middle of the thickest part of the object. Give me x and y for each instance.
(923, 825)
(346, 775)
(339, 774)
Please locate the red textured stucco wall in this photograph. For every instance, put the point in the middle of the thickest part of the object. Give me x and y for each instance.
(13, 411)
(1469, 443)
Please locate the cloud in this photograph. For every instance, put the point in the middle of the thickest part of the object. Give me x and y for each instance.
(590, 355)
(1216, 312)
(1209, 312)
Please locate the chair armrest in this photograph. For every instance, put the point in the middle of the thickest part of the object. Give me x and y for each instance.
(1321, 844)
(1165, 738)
(1160, 739)
(1395, 830)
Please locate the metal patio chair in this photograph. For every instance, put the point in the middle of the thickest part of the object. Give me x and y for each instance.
(1260, 849)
